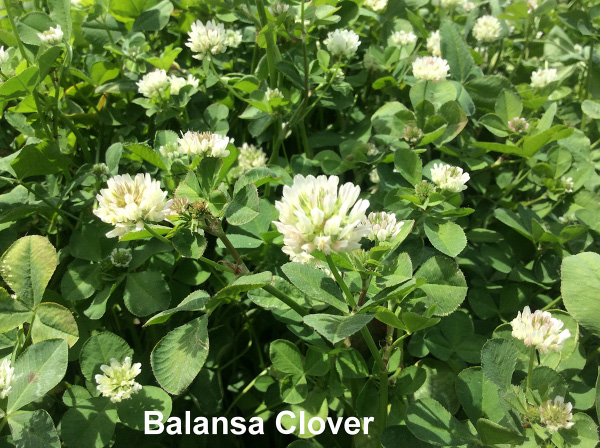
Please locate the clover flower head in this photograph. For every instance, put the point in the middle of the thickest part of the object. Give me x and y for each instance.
(403, 38)
(120, 257)
(172, 151)
(128, 203)
(374, 176)
(207, 40)
(204, 144)
(52, 36)
(233, 38)
(539, 330)
(532, 5)
(451, 3)
(342, 43)
(434, 44)
(568, 184)
(376, 5)
(430, 68)
(178, 82)
(100, 170)
(468, 6)
(424, 189)
(118, 381)
(372, 149)
(153, 84)
(556, 414)
(543, 77)
(7, 377)
(251, 157)
(315, 214)
(518, 125)
(278, 8)
(384, 226)
(412, 133)
(448, 177)
(3, 55)
(271, 94)
(487, 29)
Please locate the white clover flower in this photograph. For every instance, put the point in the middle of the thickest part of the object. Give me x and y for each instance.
(430, 68)
(118, 382)
(374, 176)
(278, 8)
(384, 226)
(3, 55)
(7, 377)
(532, 5)
(376, 5)
(556, 415)
(451, 3)
(487, 29)
(543, 77)
(273, 93)
(251, 157)
(204, 144)
(564, 219)
(372, 149)
(577, 48)
(100, 170)
(518, 125)
(403, 38)
(129, 202)
(177, 83)
(448, 177)
(206, 40)
(412, 133)
(434, 44)
(342, 43)
(468, 6)
(52, 36)
(539, 330)
(568, 184)
(120, 257)
(305, 24)
(313, 214)
(153, 84)
(171, 151)
(233, 38)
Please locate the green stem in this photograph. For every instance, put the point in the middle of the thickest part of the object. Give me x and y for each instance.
(155, 234)
(225, 84)
(304, 55)
(285, 299)
(530, 370)
(587, 83)
(80, 139)
(38, 106)
(13, 27)
(551, 304)
(271, 47)
(216, 265)
(338, 278)
(233, 251)
(244, 392)
(303, 137)
(398, 341)
(383, 376)
(366, 334)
